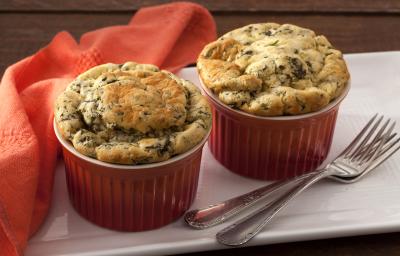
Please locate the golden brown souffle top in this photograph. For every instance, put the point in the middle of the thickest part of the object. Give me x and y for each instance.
(132, 113)
(272, 70)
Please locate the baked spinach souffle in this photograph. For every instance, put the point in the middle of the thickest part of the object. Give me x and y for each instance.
(132, 114)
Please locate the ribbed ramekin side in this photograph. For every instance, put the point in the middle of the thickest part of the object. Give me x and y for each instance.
(271, 150)
(129, 203)
(315, 143)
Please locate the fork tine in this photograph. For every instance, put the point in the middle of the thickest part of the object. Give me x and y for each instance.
(389, 143)
(374, 139)
(388, 153)
(368, 157)
(359, 136)
(386, 145)
(357, 147)
(390, 137)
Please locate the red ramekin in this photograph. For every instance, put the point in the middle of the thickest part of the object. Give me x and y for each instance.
(131, 197)
(271, 148)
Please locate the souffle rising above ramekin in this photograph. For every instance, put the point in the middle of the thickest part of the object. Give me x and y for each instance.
(132, 114)
(273, 70)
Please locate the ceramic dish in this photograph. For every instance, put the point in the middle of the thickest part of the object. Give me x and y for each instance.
(131, 197)
(271, 148)
(326, 210)
(275, 90)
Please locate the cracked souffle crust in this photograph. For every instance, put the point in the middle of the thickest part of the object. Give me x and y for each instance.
(132, 113)
(272, 70)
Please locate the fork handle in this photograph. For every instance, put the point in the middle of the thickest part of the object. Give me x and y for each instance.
(218, 213)
(246, 228)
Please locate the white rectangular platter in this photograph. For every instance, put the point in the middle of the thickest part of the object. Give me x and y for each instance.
(326, 210)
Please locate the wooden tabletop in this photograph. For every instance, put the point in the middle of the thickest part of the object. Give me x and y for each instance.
(350, 25)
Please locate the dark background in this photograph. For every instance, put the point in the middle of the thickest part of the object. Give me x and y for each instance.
(351, 26)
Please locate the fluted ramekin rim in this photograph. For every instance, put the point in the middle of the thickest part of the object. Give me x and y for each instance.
(68, 146)
(328, 107)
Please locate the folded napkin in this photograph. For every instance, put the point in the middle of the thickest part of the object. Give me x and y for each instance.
(170, 36)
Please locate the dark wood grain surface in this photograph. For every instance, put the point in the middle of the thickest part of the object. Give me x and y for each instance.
(372, 6)
(351, 25)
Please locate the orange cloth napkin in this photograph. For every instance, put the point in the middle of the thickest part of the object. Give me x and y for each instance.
(170, 36)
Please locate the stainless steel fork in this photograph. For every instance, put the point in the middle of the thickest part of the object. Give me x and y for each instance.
(220, 212)
(371, 147)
